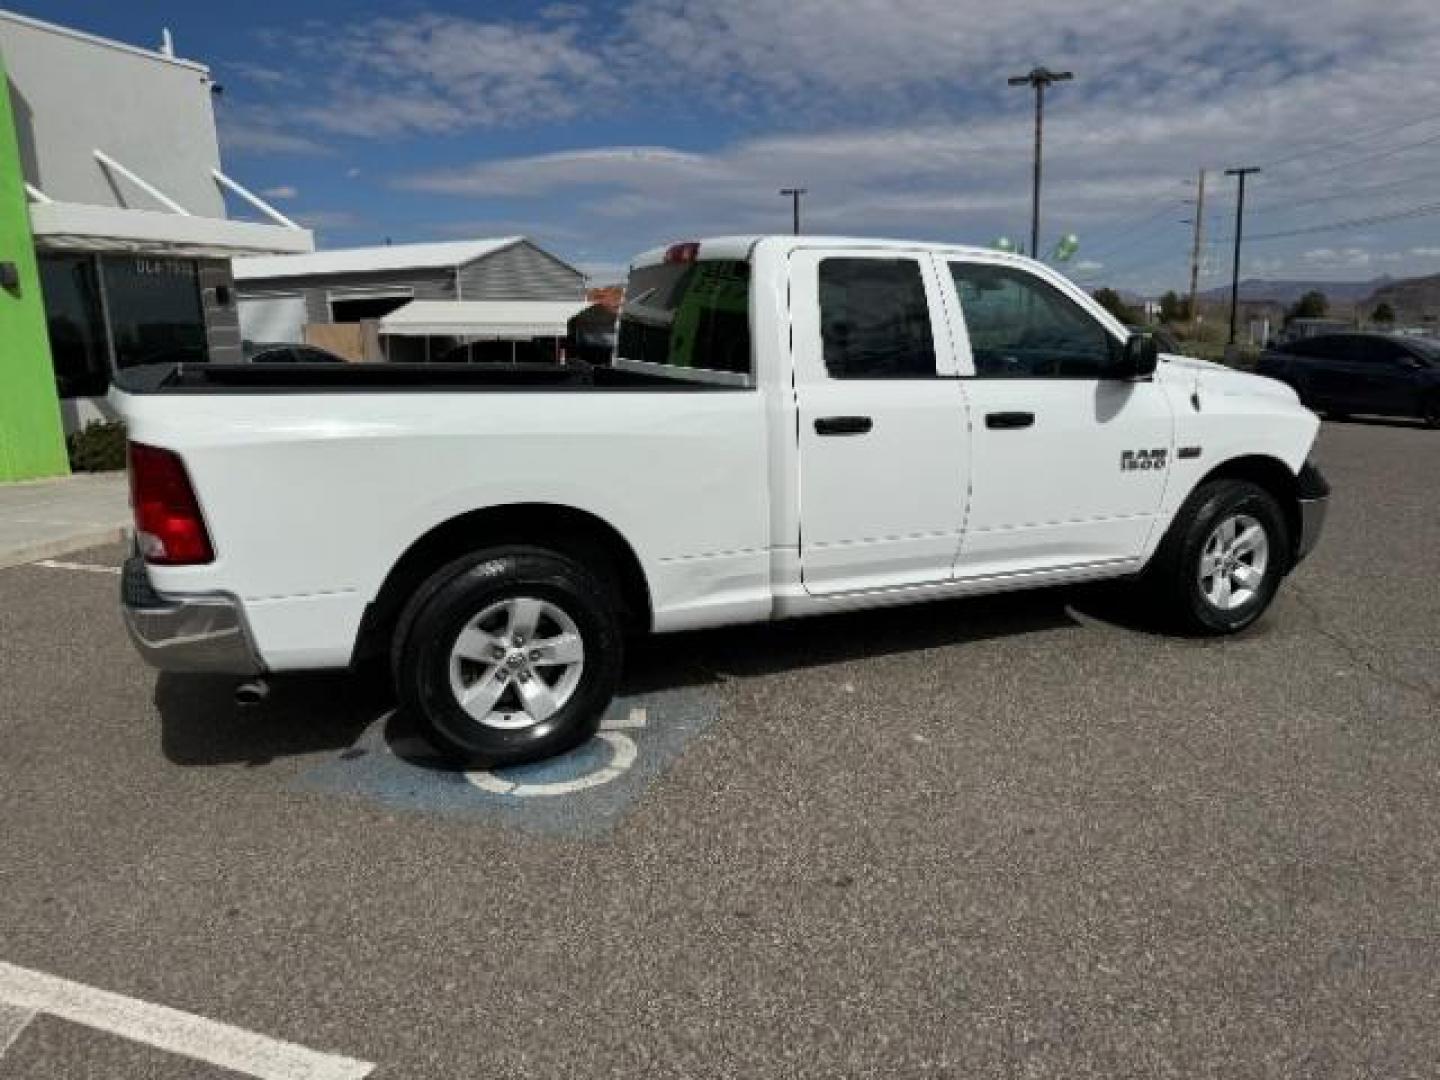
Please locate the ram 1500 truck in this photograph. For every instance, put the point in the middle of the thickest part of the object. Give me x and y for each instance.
(790, 426)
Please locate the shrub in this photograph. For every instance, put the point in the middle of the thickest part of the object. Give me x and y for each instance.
(98, 448)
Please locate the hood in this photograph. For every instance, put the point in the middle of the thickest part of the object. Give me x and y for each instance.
(1212, 378)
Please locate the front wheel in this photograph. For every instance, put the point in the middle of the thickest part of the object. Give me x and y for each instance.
(509, 656)
(1222, 560)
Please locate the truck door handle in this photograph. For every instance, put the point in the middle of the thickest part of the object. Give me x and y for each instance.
(1009, 419)
(843, 425)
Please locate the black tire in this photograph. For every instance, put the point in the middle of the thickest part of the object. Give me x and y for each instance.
(453, 597)
(1172, 580)
(1430, 411)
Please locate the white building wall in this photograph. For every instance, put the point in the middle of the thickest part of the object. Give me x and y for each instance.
(73, 94)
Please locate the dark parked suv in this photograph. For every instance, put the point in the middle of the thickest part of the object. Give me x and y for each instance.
(1339, 374)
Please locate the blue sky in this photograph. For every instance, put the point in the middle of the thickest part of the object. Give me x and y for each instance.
(601, 129)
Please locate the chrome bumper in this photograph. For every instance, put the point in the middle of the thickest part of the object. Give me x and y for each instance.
(205, 633)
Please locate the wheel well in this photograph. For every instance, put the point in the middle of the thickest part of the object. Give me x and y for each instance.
(574, 533)
(1274, 476)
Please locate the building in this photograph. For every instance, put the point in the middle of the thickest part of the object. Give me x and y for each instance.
(300, 297)
(115, 243)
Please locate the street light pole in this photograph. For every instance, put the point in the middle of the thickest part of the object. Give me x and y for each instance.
(1039, 78)
(794, 193)
(1240, 175)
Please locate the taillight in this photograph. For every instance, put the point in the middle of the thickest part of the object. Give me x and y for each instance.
(687, 252)
(168, 522)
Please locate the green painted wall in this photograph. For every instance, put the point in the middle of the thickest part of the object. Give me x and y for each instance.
(32, 440)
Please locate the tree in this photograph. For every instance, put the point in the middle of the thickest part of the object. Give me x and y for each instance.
(1110, 300)
(1312, 305)
(1173, 309)
(1383, 313)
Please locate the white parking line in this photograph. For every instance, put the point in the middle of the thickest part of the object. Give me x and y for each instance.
(12, 1022)
(91, 568)
(167, 1029)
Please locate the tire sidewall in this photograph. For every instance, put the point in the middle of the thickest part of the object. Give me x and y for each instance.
(1225, 500)
(486, 580)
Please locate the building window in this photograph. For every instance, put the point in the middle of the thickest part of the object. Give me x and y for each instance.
(76, 323)
(155, 311)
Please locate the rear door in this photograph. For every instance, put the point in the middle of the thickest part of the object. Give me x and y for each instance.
(882, 423)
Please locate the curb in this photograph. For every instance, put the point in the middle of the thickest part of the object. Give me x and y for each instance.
(63, 545)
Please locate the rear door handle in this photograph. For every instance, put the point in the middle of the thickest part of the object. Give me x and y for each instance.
(1009, 419)
(843, 425)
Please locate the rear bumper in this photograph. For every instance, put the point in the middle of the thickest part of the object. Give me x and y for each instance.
(1314, 491)
(203, 633)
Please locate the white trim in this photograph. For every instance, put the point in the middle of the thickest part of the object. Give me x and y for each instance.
(95, 39)
(36, 195)
(253, 199)
(143, 184)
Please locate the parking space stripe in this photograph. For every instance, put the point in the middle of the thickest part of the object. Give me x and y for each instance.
(12, 1022)
(170, 1029)
(91, 568)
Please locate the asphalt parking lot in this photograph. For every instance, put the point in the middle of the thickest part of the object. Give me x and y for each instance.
(1012, 837)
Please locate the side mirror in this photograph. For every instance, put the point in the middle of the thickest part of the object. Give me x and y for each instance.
(1139, 356)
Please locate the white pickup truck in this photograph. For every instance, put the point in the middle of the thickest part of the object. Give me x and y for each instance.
(790, 426)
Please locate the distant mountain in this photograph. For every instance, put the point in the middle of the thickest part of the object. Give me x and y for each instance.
(1414, 300)
(1259, 290)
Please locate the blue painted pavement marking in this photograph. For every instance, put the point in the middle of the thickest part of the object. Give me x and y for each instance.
(580, 794)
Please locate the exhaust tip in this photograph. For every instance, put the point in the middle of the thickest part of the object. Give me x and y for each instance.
(251, 693)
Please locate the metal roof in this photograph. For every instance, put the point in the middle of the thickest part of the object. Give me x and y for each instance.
(447, 256)
(501, 320)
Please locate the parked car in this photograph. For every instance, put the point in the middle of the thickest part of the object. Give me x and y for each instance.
(1380, 374)
(285, 352)
(791, 426)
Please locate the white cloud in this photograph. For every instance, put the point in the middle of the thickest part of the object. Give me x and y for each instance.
(896, 115)
(435, 74)
(280, 191)
(255, 133)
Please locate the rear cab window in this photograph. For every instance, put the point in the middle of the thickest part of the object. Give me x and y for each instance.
(688, 319)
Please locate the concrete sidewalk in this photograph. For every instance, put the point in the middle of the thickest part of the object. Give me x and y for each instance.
(46, 518)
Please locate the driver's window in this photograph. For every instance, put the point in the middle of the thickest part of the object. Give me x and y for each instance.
(1021, 327)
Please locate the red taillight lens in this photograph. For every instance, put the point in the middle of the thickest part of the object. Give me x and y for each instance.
(687, 252)
(168, 522)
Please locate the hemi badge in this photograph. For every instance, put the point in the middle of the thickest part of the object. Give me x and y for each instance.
(1188, 452)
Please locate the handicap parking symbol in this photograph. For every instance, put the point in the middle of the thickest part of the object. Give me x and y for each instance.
(582, 793)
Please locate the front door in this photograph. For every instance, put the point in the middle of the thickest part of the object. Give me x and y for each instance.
(882, 425)
(1068, 462)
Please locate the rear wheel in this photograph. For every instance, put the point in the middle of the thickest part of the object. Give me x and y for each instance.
(509, 656)
(1430, 411)
(1222, 559)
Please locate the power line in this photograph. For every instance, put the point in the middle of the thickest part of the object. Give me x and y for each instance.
(1291, 204)
(1424, 210)
(1377, 156)
(1340, 144)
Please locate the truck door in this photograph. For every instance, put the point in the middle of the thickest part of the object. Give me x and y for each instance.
(1068, 462)
(882, 423)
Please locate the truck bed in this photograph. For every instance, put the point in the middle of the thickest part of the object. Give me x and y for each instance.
(394, 378)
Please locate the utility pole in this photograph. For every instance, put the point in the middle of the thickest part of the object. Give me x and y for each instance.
(1195, 253)
(1039, 78)
(794, 193)
(1240, 175)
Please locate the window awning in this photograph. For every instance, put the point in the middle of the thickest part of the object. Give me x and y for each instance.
(498, 320)
(59, 226)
